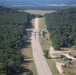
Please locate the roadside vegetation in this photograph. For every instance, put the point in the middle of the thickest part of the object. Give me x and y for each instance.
(29, 62)
(46, 53)
(28, 56)
(62, 28)
(45, 44)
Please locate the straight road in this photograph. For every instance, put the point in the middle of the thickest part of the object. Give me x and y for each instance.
(40, 62)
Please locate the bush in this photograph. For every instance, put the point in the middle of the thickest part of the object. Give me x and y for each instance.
(46, 53)
(29, 73)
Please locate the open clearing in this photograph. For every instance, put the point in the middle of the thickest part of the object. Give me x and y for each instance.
(41, 12)
(68, 67)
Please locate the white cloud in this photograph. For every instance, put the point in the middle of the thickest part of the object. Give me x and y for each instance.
(57, 5)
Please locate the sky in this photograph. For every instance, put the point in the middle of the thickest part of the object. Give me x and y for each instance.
(41, 0)
(22, 2)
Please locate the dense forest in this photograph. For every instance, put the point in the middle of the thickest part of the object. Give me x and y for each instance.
(13, 26)
(62, 28)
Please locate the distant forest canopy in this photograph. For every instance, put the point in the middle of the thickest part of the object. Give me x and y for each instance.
(62, 28)
(41, 7)
(13, 26)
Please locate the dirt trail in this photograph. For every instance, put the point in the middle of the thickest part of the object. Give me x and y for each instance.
(59, 67)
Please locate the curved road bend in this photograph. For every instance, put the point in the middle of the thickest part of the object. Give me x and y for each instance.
(40, 62)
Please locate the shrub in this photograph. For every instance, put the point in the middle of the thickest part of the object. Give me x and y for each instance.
(29, 73)
(46, 53)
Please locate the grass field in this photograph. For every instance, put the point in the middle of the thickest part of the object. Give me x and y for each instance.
(46, 43)
(42, 12)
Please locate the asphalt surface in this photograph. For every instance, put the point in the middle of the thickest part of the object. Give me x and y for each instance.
(40, 62)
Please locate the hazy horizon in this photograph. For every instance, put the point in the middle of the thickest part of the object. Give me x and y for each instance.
(37, 2)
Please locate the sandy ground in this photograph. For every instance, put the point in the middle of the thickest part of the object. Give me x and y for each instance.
(59, 67)
(52, 52)
(40, 62)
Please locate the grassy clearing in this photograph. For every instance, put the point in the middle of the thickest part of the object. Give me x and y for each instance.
(45, 43)
(29, 63)
(42, 12)
(70, 69)
(70, 66)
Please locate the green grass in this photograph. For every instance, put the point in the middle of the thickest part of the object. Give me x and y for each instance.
(46, 43)
(52, 66)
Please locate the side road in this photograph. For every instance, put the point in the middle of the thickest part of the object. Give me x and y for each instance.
(40, 62)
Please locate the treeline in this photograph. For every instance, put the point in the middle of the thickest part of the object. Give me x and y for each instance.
(42, 7)
(62, 28)
(13, 26)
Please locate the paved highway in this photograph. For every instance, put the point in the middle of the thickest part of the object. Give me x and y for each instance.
(40, 62)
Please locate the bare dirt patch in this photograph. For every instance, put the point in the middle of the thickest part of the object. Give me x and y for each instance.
(59, 67)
